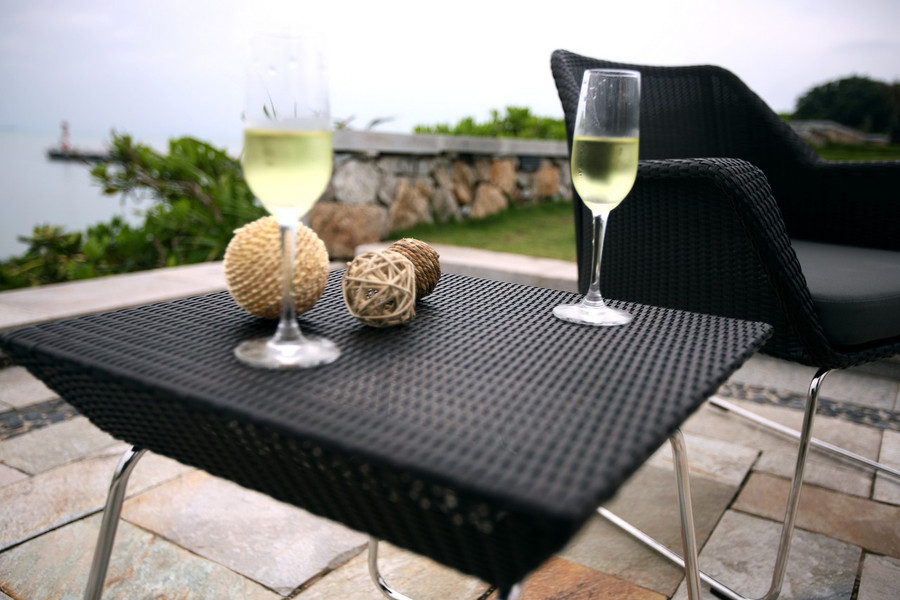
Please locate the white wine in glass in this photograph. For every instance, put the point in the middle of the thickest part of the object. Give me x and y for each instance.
(604, 166)
(287, 162)
(287, 169)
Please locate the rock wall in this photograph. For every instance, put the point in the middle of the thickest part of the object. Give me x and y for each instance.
(383, 183)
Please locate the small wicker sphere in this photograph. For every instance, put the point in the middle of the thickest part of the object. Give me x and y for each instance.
(380, 288)
(253, 268)
(425, 259)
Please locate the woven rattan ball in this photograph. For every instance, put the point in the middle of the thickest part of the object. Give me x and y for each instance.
(253, 268)
(425, 259)
(380, 288)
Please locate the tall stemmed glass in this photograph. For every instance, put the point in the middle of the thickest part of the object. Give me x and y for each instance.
(604, 165)
(287, 162)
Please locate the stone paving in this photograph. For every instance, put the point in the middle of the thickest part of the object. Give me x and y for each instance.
(186, 534)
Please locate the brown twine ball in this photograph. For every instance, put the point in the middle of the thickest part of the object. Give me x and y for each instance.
(253, 268)
(380, 288)
(426, 261)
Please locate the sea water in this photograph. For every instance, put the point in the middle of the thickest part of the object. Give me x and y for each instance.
(35, 190)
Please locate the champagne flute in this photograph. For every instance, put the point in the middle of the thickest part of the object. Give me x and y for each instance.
(604, 166)
(287, 162)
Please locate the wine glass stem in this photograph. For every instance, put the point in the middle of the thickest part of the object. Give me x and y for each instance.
(288, 329)
(593, 297)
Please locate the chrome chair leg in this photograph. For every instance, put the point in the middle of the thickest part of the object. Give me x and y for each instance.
(110, 522)
(512, 594)
(822, 445)
(787, 528)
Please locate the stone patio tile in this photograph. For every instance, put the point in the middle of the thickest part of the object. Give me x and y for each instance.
(560, 579)
(19, 388)
(55, 565)
(774, 373)
(847, 385)
(741, 554)
(58, 444)
(887, 487)
(406, 572)
(880, 579)
(273, 543)
(67, 493)
(649, 501)
(871, 525)
(710, 458)
(9, 475)
(779, 452)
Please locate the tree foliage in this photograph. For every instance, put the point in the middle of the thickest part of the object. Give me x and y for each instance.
(197, 197)
(857, 102)
(518, 122)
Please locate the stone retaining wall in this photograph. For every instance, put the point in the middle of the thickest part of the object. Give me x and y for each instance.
(387, 182)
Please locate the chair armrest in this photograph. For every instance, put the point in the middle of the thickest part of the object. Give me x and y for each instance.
(847, 203)
(706, 235)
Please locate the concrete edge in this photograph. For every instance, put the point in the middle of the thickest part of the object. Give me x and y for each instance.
(28, 306)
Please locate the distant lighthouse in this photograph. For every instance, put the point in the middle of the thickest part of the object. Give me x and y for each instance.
(64, 143)
(65, 151)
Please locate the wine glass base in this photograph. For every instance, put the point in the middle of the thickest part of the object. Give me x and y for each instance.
(603, 316)
(265, 353)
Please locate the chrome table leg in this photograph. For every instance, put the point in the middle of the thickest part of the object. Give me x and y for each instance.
(787, 529)
(377, 579)
(513, 593)
(685, 506)
(110, 522)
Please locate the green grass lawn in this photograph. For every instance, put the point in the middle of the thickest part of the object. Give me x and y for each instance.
(546, 230)
(837, 152)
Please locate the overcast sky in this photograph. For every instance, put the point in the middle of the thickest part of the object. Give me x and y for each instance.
(163, 68)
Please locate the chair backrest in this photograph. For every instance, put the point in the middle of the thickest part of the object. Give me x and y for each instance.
(697, 112)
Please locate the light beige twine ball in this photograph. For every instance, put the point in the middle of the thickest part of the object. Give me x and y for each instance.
(253, 268)
(426, 261)
(380, 288)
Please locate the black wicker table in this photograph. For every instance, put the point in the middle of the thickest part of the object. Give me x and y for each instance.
(483, 434)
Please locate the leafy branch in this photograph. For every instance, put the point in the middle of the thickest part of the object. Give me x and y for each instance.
(197, 197)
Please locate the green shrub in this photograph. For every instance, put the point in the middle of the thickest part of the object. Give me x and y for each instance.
(518, 122)
(857, 102)
(198, 198)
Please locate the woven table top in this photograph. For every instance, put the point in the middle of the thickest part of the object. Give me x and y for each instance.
(484, 423)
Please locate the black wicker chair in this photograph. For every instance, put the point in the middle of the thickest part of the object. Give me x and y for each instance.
(733, 214)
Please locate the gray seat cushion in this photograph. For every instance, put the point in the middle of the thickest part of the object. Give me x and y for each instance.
(855, 291)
